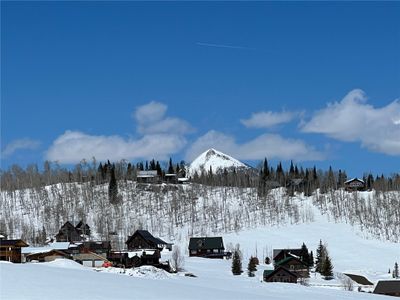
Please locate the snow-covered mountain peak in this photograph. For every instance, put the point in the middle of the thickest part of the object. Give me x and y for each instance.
(216, 160)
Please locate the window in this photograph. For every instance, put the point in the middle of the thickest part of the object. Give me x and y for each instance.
(193, 252)
(216, 250)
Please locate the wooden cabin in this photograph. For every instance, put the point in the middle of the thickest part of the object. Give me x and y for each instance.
(150, 176)
(10, 250)
(295, 265)
(142, 239)
(210, 247)
(280, 274)
(48, 256)
(354, 184)
(70, 233)
(388, 287)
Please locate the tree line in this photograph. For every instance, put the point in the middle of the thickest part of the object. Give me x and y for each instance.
(264, 177)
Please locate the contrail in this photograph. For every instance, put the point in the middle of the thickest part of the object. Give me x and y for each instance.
(223, 46)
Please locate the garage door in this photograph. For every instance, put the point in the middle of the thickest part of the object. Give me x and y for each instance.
(87, 263)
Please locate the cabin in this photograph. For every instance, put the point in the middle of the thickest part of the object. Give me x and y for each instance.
(102, 248)
(171, 178)
(142, 239)
(70, 233)
(10, 250)
(279, 254)
(210, 247)
(295, 265)
(47, 256)
(388, 288)
(354, 184)
(280, 274)
(59, 246)
(150, 176)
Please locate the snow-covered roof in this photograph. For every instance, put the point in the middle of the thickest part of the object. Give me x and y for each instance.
(183, 179)
(48, 248)
(355, 178)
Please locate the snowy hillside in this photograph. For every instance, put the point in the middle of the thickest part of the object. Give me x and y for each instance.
(216, 160)
(360, 229)
(214, 280)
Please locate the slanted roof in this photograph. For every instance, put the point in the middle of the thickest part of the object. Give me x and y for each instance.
(288, 259)
(148, 237)
(45, 253)
(204, 243)
(387, 287)
(13, 243)
(359, 279)
(354, 179)
(293, 252)
(268, 274)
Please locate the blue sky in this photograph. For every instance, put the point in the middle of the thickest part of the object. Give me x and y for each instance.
(316, 82)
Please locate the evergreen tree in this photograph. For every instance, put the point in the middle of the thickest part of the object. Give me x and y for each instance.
(320, 257)
(265, 170)
(311, 260)
(113, 187)
(170, 167)
(396, 270)
(304, 255)
(236, 263)
(327, 267)
(251, 267)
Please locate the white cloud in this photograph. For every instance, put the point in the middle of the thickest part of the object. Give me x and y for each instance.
(73, 146)
(268, 119)
(19, 144)
(353, 120)
(272, 146)
(151, 119)
(160, 136)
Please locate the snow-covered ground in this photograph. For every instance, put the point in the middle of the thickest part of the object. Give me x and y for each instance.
(59, 280)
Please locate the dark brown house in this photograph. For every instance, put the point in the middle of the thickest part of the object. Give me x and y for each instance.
(142, 239)
(70, 233)
(280, 274)
(354, 184)
(388, 287)
(210, 247)
(10, 250)
(295, 265)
